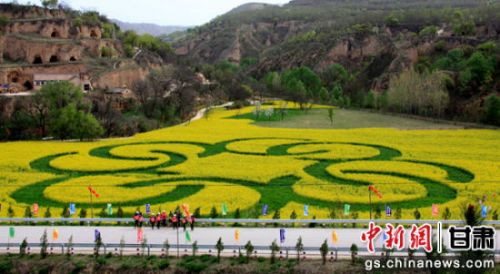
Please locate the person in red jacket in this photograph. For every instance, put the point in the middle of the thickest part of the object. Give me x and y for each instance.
(152, 221)
(174, 221)
(158, 220)
(136, 219)
(164, 219)
(192, 223)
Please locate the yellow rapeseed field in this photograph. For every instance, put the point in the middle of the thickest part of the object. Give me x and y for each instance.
(222, 159)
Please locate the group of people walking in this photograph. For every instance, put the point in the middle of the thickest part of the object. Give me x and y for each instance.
(163, 220)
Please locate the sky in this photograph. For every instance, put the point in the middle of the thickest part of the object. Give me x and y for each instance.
(161, 12)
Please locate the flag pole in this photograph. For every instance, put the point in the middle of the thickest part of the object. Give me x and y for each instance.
(91, 203)
(177, 240)
(370, 197)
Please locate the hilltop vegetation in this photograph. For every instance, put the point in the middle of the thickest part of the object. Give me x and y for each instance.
(452, 47)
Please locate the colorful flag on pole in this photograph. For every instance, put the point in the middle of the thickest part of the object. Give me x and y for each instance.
(140, 235)
(484, 211)
(72, 209)
(55, 234)
(224, 209)
(335, 238)
(185, 207)
(388, 211)
(93, 192)
(35, 209)
(12, 232)
(110, 209)
(148, 209)
(237, 235)
(347, 208)
(282, 235)
(372, 188)
(435, 211)
(97, 235)
(264, 210)
(188, 236)
(306, 210)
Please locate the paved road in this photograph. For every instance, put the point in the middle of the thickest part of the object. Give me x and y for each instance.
(312, 237)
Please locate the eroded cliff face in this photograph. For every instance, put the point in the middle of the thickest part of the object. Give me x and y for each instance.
(46, 41)
(14, 11)
(233, 44)
(121, 77)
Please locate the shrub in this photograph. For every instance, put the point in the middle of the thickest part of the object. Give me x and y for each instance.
(415, 93)
(299, 247)
(44, 244)
(324, 251)
(354, 253)
(492, 111)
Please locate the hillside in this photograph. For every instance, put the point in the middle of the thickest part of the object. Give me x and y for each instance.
(249, 7)
(373, 40)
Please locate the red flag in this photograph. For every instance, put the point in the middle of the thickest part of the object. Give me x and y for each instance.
(93, 192)
(35, 209)
(186, 210)
(372, 188)
(435, 210)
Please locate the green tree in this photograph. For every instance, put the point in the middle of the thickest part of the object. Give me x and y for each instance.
(106, 52)
(428, 32)
(369, 100)
(335, 75)
(301, 80)
(324, 96)
(398, 213)
(492, 111)
(274, 247)
(213, 213)
(83, 215)
(481, 68)
(446, 213)
(354, 253)
(392, 21)
(249, 249)
(57, 95)
(293, 215)
(27, 212)
(10, 212)
(194, 247)
(378, 213)
(418, 93)
(197, 212)
(324, 251)
(73, 123)
(237, 213)
(416, 214)
(4, 21)
(166, 247)
(65, 212)
(299, 247)
(50, 3)
(69, 246)
(220, 247)
(23, 246)
(44, 244)
(47, 213)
